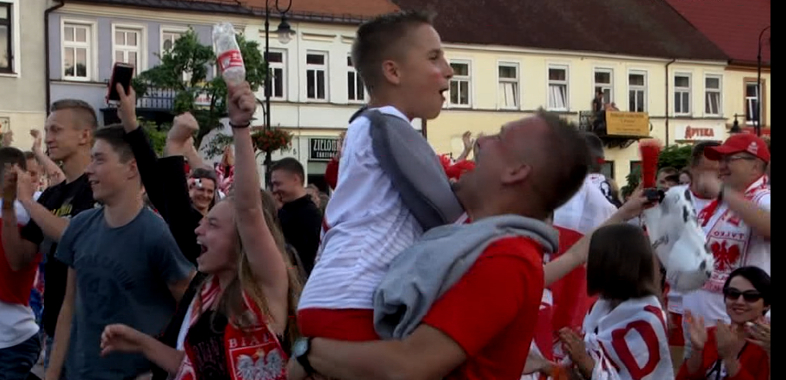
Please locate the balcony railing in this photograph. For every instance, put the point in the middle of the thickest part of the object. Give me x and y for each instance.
(157, 99)
(157, 106)
(588, 123)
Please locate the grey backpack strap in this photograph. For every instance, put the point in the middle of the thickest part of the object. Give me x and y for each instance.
(414, 169)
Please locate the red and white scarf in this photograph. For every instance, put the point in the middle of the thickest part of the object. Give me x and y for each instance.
(251, 354)
(628, 342)
(728, 237)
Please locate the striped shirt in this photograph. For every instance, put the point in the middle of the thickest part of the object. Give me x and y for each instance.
(366, 226)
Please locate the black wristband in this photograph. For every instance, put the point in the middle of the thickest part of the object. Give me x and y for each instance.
(242, 126)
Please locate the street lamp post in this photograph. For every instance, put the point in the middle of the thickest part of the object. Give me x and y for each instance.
(284, 36)
(735, 128)
(758, 85)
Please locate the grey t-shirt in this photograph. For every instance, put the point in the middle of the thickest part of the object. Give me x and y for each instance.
(121, 277)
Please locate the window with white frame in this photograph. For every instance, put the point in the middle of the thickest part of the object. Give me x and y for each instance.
(6, 38)
(460, 84)
(637, 91)
(712, 95)
(355, 89)
(128, 47)
(558, 88)
(682, 94)
(603, 83)
(77, 51)
(277, 74)
(168, 38)
(509, 85)
(751, 102)
(316, 76)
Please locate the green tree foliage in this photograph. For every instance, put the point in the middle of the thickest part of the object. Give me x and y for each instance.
(633, 178)
(190, 59)
(676, 156)
(157, 136)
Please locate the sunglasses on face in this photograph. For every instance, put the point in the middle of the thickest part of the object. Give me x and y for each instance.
(733, 294)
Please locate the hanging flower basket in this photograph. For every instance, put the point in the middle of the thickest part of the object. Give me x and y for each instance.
(272, 140)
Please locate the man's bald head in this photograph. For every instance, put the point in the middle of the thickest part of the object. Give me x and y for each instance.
(564, 158)
(534, 165)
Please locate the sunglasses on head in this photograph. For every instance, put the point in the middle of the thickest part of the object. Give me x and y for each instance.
(733, 294)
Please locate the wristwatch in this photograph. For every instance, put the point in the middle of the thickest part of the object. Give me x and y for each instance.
(300, 351)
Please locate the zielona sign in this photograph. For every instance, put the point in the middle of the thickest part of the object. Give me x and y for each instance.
(322, 149)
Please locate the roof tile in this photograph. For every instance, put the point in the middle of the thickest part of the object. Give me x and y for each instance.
(649, 28)
(352, 8)
(733, 25)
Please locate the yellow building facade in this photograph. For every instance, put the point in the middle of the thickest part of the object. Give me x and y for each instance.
(741, 96)
(686, 100)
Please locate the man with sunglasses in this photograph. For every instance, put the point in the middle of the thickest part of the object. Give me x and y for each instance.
(737, 222)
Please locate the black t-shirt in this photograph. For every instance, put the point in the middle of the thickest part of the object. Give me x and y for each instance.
(206, 341)
(301, 222)
(64, 200)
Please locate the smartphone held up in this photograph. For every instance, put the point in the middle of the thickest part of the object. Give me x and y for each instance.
(122, 73)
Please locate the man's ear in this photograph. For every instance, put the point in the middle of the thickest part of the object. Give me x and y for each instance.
(391, 72)
(133, 169)
(514, 174)
(86, 136)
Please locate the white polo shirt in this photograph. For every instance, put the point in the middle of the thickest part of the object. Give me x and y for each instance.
(366, 226)
(711, 305)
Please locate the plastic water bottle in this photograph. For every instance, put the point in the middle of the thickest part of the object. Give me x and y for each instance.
(230, 60)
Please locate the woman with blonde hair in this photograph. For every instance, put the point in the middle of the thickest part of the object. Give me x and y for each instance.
(239, 323)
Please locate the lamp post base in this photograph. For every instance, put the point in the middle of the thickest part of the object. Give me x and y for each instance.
(268, 163)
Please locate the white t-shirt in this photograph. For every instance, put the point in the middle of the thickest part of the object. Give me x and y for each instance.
(17, 322)
(368, 225)
(711, 305)
(586, 210)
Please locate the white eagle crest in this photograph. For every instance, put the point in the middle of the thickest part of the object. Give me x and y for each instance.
(679, 241)
(266, 367)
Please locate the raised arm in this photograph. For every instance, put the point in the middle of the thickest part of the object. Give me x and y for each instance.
(164, 179)
(577, 254)
(53, 172)
(144, 154)
(50, 224)
(755, 214)
(18, 252)
(466, 138)
(266, 261)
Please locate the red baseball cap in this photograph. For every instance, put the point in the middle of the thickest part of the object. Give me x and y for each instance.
(738, 143)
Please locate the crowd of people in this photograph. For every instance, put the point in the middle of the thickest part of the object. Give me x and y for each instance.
(517, 260)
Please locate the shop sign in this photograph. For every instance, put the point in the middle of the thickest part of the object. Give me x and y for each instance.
(691, 133)
(627, 124)
(322, 149)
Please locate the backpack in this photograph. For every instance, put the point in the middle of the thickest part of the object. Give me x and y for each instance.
(414, 170)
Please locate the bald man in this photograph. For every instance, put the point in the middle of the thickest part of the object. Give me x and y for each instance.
(457, 339)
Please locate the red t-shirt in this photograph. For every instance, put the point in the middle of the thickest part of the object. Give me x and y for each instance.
(15, 286)
(571, 302)
(491, 311)
(754, 362)
(331, 173)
